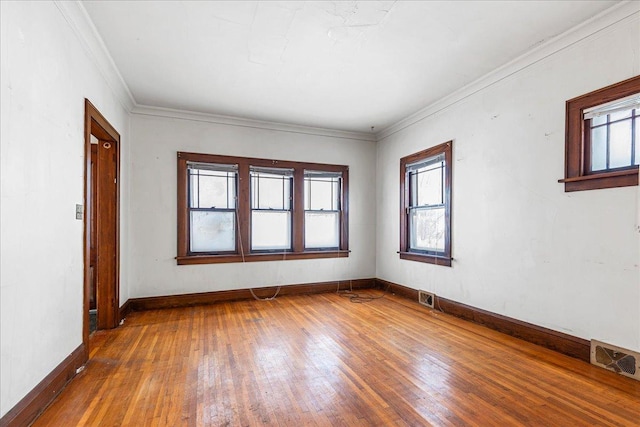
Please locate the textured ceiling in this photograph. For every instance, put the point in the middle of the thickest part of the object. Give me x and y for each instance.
(338, 65)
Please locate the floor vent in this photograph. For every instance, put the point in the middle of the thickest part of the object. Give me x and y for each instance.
(616, 359)
(426, 298)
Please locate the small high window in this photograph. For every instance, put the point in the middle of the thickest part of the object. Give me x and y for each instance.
(613, 133)
(602, 147)
(425, 217)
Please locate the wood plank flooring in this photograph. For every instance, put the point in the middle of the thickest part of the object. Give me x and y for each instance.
(320, 360)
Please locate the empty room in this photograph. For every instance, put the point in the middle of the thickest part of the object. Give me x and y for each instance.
(320, 213)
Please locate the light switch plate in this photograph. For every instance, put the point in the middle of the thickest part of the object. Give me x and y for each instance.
(79, 211)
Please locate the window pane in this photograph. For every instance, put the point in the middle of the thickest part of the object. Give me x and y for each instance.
(619, 115)
(321, 229)
(270, 230)
(427, 229)
(620, 144)
(322, 194)
(599, 148)
(427, 186)
(213, 231)
(211, 189)
(270, 191)
(430, 184)
(599, 120)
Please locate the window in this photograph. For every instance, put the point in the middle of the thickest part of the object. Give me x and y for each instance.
(602, 147)
(235, 209)
(612, 135)
(271, 209)
(212, 199)
(425, 215)
(322, 209)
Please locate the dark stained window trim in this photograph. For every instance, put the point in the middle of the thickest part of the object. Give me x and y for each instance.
(243, 236)
(260, 256)
(577, 177)
(404, 253)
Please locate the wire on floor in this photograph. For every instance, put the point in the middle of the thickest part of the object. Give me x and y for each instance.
(257, 298)
(359, 298)
(284, 254)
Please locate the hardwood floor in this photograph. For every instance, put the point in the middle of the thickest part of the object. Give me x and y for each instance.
(320, 360)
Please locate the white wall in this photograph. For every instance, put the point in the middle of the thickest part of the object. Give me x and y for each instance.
(46, 74)
(153, 209)
(522, 247)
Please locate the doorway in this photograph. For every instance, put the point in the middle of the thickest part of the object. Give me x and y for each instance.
(102, 224)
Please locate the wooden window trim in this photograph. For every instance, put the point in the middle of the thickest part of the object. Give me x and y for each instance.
(405, 252)
(243, 236)
(577, 175)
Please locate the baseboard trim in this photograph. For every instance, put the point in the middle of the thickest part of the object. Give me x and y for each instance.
(558, 341)
(125, 310)
(204, 298)
(396, 289)
(37, 400)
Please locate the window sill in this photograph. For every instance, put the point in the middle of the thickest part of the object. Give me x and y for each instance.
(430, 259)
(281, 256)
(624, 178)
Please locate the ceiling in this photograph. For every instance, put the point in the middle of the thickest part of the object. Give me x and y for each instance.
(349, 65)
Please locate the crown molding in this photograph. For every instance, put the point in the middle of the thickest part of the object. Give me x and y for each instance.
(145, 110)
(78, 19)
(624, 11)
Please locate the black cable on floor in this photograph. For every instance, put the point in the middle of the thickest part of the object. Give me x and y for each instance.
(359, 298)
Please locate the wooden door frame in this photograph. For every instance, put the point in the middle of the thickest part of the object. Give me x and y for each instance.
(95, 124)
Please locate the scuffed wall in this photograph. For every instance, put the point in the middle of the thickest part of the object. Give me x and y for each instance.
(46, 75)
(522, 247)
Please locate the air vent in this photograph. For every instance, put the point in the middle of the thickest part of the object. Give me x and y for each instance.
(616, 359)
(426, 298)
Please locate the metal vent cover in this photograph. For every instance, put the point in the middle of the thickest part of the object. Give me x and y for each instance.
(616, 359)
(426, 298)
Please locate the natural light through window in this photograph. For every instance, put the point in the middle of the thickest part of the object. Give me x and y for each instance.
(271, 208)
(241, 209)
(212, 199)
(322, 209)
(614, 134)
(425, 218)
(602, 135)
(426, 207)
